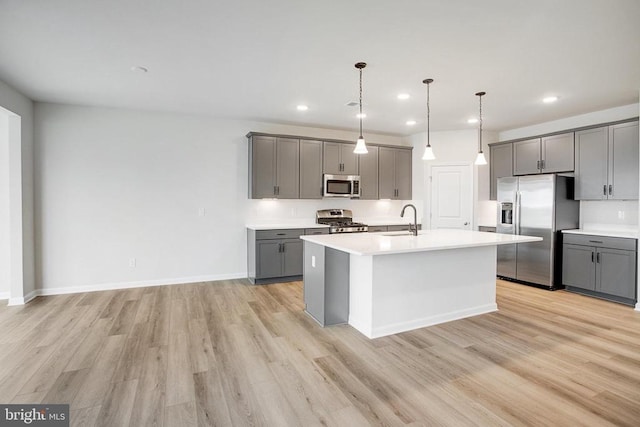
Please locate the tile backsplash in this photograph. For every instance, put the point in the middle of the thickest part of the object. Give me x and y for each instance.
(609, 212)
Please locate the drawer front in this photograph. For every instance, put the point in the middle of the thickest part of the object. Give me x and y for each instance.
(312, 231)
(377, 228)
(279, 234)
(600, 241)
(397, 227)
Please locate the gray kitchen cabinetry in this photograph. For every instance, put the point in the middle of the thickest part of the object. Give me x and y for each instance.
(368, 164)
(310, 169)
(600, 266)
(274, 255)
(274, 167)
(391, 227)
(607, 163)
(500, 164)
(339, 159)
(549, 154)
(394, 173)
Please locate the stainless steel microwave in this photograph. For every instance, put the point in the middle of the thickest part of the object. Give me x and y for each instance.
(341, 186)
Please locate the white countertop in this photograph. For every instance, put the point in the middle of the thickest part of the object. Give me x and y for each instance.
(402, 242)
(629, 234)
(284, 225)
(309, 223)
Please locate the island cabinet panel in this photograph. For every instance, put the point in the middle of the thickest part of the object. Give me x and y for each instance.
(274, 167)
(310, 169)
(326, 284)
(339, 159)
(607, 163)
(368, 165)
(500, 165)
(274, 255)
(600, 266)
(394, 173)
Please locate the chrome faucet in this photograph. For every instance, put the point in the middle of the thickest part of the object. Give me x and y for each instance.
(413, 229)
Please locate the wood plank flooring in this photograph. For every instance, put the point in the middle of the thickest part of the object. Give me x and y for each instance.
(228, 353)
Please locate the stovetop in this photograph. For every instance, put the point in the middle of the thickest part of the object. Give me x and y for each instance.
(340, 221)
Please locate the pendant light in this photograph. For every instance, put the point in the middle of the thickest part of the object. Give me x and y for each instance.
(428, 151)
(361, 148)
(480, 159)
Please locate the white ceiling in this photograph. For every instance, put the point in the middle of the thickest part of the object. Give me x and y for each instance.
(258, 59)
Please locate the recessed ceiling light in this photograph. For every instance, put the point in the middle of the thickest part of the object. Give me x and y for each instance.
(302, 107)
(550, 99)
(411, 122)
(403, 96)
(361, 116)
(472, 120)
(139, 69)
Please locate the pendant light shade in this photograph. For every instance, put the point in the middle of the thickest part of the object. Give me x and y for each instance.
(361, 147)
(480, 159)
(428, 151)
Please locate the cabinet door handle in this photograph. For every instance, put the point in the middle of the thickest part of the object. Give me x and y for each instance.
(598, 257)
(542, 164)
(281, 234)
(595, 241)
(538, 165)
(610, 190)
(592, 257)
(604, 190)
(274, 190)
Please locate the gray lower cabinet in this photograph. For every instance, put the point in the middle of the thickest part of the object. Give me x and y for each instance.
(500, 165)
(276, 255)
(600, 266)
(394, 174)
(274, 169)
(339, 159)
(368, 165)
(606, 161)
(326, 284)
(392, 227)
(310, 169)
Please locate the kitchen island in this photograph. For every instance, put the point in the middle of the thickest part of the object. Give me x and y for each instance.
(386, 283)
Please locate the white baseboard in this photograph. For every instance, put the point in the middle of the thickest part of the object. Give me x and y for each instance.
(4, 295)
(638, 306)
(123, 285)
(25, 299)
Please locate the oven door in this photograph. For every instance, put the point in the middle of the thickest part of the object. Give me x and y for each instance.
(341, 186)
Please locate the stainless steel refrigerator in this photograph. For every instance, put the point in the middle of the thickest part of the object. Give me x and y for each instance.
(535, 205)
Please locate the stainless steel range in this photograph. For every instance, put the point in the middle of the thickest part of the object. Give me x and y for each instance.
(340, 221)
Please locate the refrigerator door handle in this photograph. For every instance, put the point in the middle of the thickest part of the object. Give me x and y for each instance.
(604, 190)
(516, 227)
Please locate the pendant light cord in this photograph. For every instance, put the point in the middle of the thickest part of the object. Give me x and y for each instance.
(428, 118)
(360, 102)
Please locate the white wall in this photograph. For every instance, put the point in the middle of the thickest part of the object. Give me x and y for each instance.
(20, 109)
(5, 253)
(115, 184)
(448, 147)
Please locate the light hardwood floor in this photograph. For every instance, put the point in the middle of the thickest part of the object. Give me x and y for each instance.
(227, 353)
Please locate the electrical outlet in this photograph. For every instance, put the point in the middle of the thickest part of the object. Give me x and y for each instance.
(202, 212)
(313, 261)
(132, 262)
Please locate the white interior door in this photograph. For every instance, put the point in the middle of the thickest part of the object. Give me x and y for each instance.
(451, 196)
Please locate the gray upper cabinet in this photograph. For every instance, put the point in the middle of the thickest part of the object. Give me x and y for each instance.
(339, 159)
(526, 157)
(623, 161)
(549, 154)
(310, 169)
(557, 153)
(369, 174)
(606, 161)
(274, 167)
(394, 176)
(500, 164)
